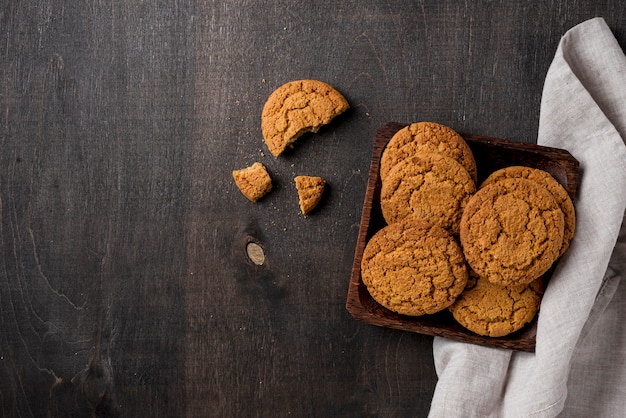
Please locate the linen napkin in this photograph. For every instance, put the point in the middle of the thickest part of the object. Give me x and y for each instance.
(579, 365)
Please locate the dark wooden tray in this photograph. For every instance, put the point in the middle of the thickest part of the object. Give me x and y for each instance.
(490, 154)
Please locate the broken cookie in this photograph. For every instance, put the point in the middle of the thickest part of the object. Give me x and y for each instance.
(310, 191)
(298, 107)
(254, 181)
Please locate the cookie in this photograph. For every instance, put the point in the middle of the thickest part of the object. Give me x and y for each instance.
(254, 181)
(512, 231)
(427, 137)
(545, 179)
(298, 107)
(431, 187)
(413, 268)
(310, 191)
(495, 311)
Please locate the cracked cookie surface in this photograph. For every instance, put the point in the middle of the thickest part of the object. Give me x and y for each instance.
(427, 137)
(413, 268)
(254, 181)
(298, 107)
(558, 191)
(511, 231)
(430, 187)
(310, 191)
(495, 311)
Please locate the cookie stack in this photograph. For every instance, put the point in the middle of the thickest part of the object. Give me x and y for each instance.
(480, 253)
(519, 222)
(427, 172)
(415, 265)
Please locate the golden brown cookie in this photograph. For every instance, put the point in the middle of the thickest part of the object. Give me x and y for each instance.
(512, 231)
(431, 187)
(545, 179)
(427, 137)
(413, 268)
(495, 311)
(298, 107)
(310, 192)
(253, 181)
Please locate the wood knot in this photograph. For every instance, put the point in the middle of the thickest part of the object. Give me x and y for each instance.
(255, 253)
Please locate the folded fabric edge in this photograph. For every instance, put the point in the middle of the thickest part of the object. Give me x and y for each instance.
(449, 402)
(598, 61)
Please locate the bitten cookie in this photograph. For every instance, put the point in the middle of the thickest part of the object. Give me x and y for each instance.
(427, 137)
(310, 191)
(413, 268)
(495, 311)
(545, 179)
(431, 187)
(512, 231)
(298, 107)
(254, 181)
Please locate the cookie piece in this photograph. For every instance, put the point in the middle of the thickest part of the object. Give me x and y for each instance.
(427, 137)
(512, 231)
(413, 268)
(298, 107)
(431, 187)
(254, 181)
(310, 192)
(545, 179)
(495, 311)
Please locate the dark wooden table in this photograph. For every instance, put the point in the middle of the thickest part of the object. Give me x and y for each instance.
(124, 282)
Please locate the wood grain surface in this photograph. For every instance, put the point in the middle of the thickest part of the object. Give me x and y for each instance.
(125, 288)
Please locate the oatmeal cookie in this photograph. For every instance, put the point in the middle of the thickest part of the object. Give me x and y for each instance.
(427, 137)
(545, 179)
(512, 231)
(413, 268)
(298, 107)
(495, 311)
(431, 187)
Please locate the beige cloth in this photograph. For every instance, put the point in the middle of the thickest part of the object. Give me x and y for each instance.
(579, 367)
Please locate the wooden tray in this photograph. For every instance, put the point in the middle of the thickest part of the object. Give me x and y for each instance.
(490, 154)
